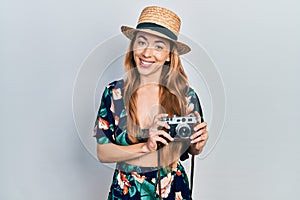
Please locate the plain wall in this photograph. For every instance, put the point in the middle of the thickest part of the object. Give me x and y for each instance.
(255, 46)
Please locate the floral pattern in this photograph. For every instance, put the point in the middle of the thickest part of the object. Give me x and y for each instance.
(134, 182)
(165, 185)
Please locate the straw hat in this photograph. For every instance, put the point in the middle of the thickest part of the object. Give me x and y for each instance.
(161, 22)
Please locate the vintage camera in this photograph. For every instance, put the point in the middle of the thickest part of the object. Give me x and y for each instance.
(181, 128)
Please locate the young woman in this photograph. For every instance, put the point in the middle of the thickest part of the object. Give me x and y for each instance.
(131, 124)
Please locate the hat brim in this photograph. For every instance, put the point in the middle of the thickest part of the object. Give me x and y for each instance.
(129, 32)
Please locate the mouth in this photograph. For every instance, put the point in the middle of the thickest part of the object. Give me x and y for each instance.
(145, 63)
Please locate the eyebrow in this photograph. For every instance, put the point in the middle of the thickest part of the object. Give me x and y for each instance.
(157, 41)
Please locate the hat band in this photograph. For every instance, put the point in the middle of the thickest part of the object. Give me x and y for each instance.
(158, 28)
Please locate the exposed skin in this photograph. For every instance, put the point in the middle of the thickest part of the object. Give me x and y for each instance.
(150, 53)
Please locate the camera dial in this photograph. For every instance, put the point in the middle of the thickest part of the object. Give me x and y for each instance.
(183, 130)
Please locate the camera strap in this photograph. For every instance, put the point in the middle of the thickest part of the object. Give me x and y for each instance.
(192, 174)
(158, 174)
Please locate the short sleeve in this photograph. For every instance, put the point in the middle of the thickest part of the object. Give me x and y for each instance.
(193, 103)
(105, 123)
(111, 121)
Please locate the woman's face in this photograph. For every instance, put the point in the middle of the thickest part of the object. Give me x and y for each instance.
(150, 52)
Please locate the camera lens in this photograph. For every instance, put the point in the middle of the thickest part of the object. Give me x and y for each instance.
(183, 131)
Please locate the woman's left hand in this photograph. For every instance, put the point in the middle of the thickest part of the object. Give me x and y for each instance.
(199, 137)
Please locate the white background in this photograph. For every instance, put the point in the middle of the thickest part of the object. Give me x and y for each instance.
(255, 45)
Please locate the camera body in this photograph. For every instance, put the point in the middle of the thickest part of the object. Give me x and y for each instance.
(181, 128)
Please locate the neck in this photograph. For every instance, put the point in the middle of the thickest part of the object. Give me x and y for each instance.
(151, 78)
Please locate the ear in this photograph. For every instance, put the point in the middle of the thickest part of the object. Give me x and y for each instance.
(168, 59)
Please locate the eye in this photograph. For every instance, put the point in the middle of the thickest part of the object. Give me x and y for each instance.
(141, 43)
(159, 47)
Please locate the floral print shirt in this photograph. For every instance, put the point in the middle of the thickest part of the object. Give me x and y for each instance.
(135, 182)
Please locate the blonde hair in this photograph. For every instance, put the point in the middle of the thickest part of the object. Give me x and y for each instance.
(173, 88)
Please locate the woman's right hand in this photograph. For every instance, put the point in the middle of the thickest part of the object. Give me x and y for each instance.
(157, 134)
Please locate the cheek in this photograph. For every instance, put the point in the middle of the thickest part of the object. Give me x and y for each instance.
(162, 57)
(137, 52)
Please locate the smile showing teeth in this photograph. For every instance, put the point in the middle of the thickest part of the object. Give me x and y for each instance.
(145, 63)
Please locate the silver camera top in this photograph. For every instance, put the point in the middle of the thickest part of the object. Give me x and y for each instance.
(185, 119)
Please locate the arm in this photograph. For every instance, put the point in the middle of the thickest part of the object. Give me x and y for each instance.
(200, 135)
(198, 138)
(110, 152)
(136, 154)
(108, 134)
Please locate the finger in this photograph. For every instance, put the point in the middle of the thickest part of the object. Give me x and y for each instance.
(162, 140)
(197, 134)
(157, 121)
(163, 124)
(158, 133)
(165, 134)
(203, 137)
(202, 125)
(201, 133)
(198, 140)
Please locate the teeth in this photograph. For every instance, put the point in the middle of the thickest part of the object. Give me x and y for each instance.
(146, 63)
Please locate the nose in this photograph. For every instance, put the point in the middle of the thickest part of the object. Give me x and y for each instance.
(148, 52)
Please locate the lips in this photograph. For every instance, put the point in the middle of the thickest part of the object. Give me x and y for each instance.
(145, 63)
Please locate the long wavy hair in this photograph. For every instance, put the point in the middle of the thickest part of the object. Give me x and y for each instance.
(173, 88)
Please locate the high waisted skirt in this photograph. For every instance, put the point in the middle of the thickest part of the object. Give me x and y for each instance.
(141, 183)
